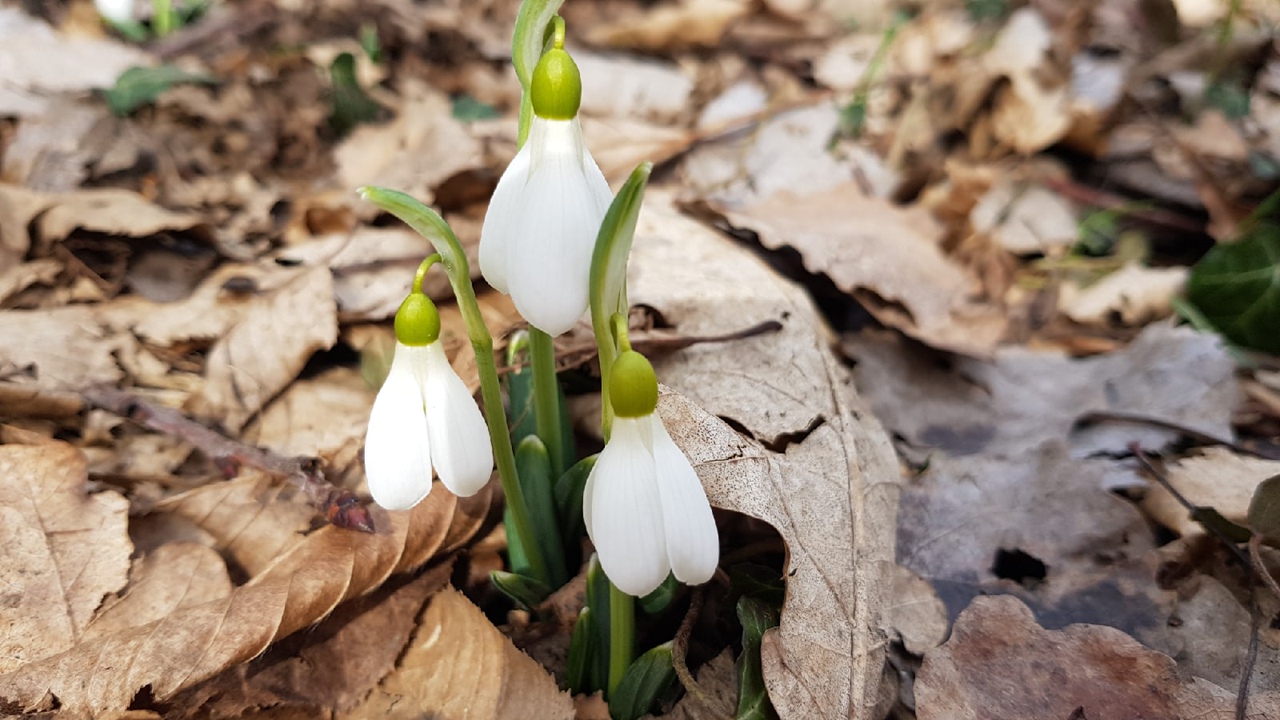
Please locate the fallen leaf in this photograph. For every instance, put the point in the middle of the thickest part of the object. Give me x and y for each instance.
(628, 87)
(684, 24)
(1134, 294)
(112, 212)
(1033, 110)
(999, 664)
(62, 348)
(65, 550)
(39, 61)
(1217, 478)
(458, 665)
(1033, 221)
(814, 464)
(915, 613)
(327, 567)
(170, 578)
(886, 256)
(267, 347)
(718, 680)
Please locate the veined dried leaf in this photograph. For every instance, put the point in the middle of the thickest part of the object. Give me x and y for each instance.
(64, 550)
(267, 348)
(826, 481)
(67, 348)
(171, 578)
(193, 644)
(459, 666)
(691, 23)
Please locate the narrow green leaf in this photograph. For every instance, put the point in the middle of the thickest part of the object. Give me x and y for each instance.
(583, 646)
(756, 617)
(529, 38)
(139, 86)
(369, 41)
(757, 581)
(1237, 288)
(1264, 510)
(647, 680)
(661, 597)
(533, 467)
(351, 105)
(568, 493)
(517, 558)
(526, 592)
(598, 601)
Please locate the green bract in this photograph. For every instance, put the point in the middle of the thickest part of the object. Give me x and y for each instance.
(633, 387)
(556, 90)
(417, 322)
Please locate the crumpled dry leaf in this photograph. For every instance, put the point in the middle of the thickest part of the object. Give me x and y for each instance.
(62, 349)
(172, 577)
(459, 665)
(39, 61)
(1134, 294)
(915, 613)
(267, 347)
(814, 464)
(885, 256)
(1033, 111)
(1000, 665)
(1217, 478)
(64, 551)
(1026, 222)
(685, 24)
(321, 571)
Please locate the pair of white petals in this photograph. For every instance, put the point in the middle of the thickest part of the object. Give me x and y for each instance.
(646, 511)
(424, 417)
(541, 226)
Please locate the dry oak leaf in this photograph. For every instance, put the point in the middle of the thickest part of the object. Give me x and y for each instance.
(100, 677)
(267, 348)
(999, 664)
(459, 665)
(814, 463)
(64, 348)
(885, 256)
(64, 550)
(1217, 478)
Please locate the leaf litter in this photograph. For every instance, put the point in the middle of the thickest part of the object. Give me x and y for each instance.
(987, 212)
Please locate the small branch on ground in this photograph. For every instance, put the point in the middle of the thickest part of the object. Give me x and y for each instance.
(1191, 508)
(680, 649)
(340, 506)
(1201, 438)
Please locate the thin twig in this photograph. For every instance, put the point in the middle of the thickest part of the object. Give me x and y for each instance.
(1251, 657)
(1203, 438)
(680, 648)
(1255, 559)
(341, 507)
(1184, 502)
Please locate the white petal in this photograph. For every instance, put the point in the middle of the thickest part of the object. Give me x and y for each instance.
(560, 216)
(626, 513)
(586, 501)
(693, 545)
(459, 437)
(118, 11)
(397, 454)
(502, 224)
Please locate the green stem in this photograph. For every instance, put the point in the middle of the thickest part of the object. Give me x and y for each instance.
(162, 17)
(622, 635)
(433, 227)
(546, 396)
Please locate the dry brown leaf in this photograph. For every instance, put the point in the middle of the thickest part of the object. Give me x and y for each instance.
(1031, 221)
(915, 613)
(193, 644)
(20, 277)
(829, 483)
(718, 680)
(267, 347)
(61, 349)
(1000, 665)
(619, 144)
(1217, 478)
(681, 25)
(112, 212)
(330, 667)
(39, 61)
(886, 256)
(64, 551)
(1134, 294)
(459, 665)
(628, 87)
(172, 577)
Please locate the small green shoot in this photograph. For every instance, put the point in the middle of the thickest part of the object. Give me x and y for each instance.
(140, 86)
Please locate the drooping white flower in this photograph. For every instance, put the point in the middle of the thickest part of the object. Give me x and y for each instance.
(643, 505)
(542, 221)
(117, 11)
(423, 418)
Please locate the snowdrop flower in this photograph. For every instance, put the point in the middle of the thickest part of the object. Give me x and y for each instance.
(643, 505)
(423, 417)
(117, 11)
(541, 225)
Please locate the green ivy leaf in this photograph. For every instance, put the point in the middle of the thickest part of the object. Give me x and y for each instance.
(1236, 287)
(756, 616)
(139, 86)
(1264, 510)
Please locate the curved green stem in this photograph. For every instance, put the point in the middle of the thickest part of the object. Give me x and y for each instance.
(546, 396)
(622, 635)
(433, 227)
(421, 273)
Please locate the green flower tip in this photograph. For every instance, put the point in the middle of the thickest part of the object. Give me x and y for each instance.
(633, 387)
(556, 89)
(417, 322)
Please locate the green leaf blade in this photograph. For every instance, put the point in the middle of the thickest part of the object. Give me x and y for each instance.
(1237, 288)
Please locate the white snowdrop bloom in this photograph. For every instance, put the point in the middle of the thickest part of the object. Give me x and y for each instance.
(541, 225)
(423, 417)
(117, 11)
(644, 507)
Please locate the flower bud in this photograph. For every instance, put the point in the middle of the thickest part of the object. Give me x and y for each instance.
(556, 89)
(633, 386)
(417, 322)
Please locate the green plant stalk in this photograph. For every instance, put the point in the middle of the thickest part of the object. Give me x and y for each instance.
(527, 44)
(433, 227)
(162, 17)
(622, 635)
(546, 398)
